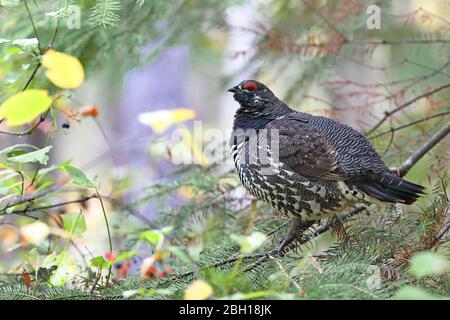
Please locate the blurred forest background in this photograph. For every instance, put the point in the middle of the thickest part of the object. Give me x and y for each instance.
(93, 204)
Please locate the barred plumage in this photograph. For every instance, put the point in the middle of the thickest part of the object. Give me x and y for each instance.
(306, 166)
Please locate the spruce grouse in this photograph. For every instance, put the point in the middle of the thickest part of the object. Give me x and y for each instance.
(307, 167)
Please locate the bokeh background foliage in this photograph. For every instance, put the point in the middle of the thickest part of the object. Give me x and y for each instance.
(93, 207)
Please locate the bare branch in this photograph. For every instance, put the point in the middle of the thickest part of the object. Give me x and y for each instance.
(13, 201)
(437, 115)
(419, 153)
(443, 231)
(406, 104)
(38, 65)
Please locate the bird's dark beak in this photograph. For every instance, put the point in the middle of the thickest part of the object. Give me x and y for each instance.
(234, 89)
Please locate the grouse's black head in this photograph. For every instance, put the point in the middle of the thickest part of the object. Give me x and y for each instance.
(252, 94)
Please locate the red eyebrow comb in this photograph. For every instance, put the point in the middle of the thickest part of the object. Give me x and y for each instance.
(250, 86)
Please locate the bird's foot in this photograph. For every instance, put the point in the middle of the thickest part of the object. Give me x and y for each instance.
(291, 240)
(285, 243)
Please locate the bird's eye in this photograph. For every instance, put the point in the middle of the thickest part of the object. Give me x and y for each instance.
(250, 86)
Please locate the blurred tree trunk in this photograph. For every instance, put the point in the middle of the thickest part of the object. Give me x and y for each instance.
(160, 85)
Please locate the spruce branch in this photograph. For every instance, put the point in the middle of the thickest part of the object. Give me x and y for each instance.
(105, 13)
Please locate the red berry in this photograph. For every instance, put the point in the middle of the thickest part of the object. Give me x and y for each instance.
(91, 111)
(110, 256)
(169, 270)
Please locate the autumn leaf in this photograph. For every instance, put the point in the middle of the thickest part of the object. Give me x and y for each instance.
(26, 279)
(23, 107)
(162, 120)
(63, 70)
(198, 290)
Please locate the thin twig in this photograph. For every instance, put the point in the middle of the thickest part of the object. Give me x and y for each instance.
(441, 114)
(406, 104)
(443, 231)
(56, 205)
(34, 26)
(38, 65)
(419, 153)
(109, 236)
(325, 20)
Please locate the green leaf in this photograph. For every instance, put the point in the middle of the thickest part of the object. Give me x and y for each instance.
(6, 190)
(414, 293)
(28, 43)
(126, 255)
(251, 242)
(166, 230)
(99, 262)
(6, 175)
(74, 223)
(45, 185)
(33, 156)
(66, 268)
(78, 177)
(23, 107)
(8, 180)
(10, 149)
(10, 53)
(16, 152)
(428, 263)
(152, 236)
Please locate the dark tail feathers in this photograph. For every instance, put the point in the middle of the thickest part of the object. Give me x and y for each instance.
(390, 188)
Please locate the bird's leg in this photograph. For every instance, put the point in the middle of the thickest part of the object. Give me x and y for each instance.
(297, 226)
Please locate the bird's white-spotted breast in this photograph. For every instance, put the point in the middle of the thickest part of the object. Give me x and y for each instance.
(273, 182)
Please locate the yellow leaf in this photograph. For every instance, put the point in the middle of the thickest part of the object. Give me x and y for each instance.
(186, 192)
(25, 106)
(180, 115)
(198, 290)
(35, 232)
(63, 70)
(161, 120)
